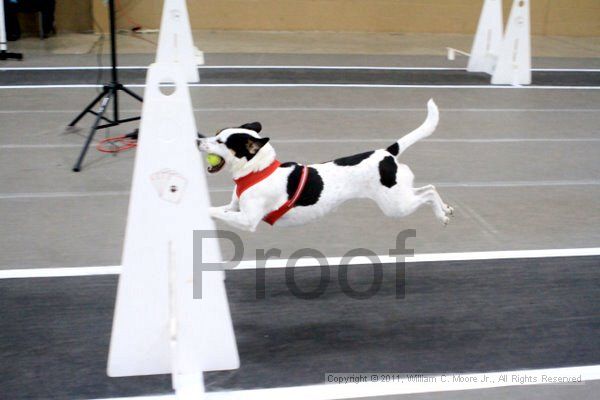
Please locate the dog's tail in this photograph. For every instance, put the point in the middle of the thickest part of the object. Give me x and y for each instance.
(426, 129)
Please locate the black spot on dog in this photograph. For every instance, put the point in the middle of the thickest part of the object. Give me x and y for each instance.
(352, 160)
(394, 149)
(312, 189)
(253, 126)
(387, 171)
(288, 164)
(244, 145)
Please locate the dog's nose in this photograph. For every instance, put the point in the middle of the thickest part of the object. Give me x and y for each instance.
(202, 145)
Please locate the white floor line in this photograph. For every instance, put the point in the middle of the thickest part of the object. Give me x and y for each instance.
(304, 262)
(339, 109)
(433, 257)
(59, 272)
(74, 86)
(444, 383)
(457, 140)
(369, 86)
(393, 110)
(38, 146)
(362, 390)
(315, 67)
(455, 185)
(368, 389)
(565, 70)
(372, 140)
(314, 85)
(53, 195)
(201, 67)
(71, 68)
(508, 184)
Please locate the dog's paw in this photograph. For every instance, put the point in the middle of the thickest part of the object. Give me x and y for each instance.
(449, 210)
(445, 221)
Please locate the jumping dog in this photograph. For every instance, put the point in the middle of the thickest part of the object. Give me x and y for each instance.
(287, 194)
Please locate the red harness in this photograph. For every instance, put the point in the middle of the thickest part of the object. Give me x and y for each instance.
(246, 182)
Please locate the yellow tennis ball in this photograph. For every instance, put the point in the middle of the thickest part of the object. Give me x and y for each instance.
(213, 160)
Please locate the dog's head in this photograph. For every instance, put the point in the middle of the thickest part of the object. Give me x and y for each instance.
(242, 149)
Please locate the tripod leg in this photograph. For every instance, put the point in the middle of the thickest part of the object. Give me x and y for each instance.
(132, 94)
(101, 111)
(89, 106)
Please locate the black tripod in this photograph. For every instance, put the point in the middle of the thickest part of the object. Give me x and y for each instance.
(109, 92)
(5, 55)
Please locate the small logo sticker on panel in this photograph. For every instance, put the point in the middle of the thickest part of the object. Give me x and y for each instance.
(169, 185)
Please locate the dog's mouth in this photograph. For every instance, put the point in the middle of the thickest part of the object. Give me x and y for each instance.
(216, 168)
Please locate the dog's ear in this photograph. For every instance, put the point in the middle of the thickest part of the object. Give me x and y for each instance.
(253, 126)
(255, 144)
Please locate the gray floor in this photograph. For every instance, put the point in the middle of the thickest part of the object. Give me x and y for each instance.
(306, 75)
(519, 165)
(331, 59)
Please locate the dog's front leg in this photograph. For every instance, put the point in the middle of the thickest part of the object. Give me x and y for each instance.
(246, 219)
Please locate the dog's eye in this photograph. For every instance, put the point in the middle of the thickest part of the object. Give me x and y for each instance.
(219, 141)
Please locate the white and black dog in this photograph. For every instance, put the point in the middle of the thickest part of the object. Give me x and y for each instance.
(291, 194)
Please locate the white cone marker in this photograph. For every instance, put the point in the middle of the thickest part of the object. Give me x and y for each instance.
(175, 41)
(158, 326)
(488, 39)
(514, 62)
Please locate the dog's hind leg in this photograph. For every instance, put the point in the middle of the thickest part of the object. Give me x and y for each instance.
(423, 189)
(397, 204)
(394, 203)
(431, 190)
(441, 210)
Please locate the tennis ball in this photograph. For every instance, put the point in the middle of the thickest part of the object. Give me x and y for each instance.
(213, 160)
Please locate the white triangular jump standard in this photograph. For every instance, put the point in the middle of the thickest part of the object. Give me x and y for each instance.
(488, 39)
(158, 327)
(175, 41)
(3, 46)
(514, 61)
(4, 54)
(506, 56)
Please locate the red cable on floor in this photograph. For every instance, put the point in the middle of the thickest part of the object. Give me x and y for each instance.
(118, 143)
